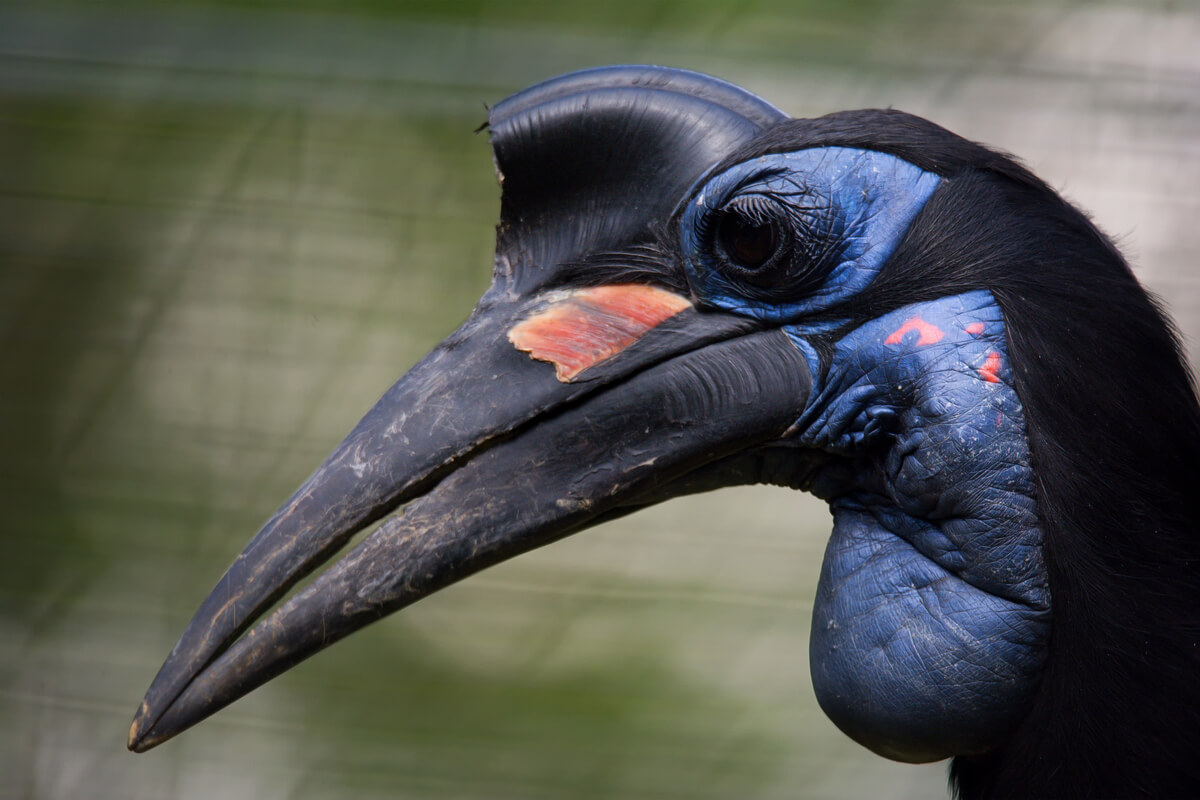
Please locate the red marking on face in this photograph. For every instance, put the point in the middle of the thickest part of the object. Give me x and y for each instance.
(975, 328)
(930, 334)
(991, 368)
(588, 326)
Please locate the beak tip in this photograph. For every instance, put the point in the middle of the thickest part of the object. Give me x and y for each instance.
(139, 739)
(142, 741)
(134, 743)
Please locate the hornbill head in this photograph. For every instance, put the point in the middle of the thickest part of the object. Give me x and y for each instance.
(692, 290)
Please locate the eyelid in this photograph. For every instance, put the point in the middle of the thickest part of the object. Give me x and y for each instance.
(760, 176)
(718, 197)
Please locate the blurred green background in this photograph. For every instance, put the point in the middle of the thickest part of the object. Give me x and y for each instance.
(227, 227)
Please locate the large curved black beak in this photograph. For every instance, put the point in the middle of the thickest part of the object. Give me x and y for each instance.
(558, 402)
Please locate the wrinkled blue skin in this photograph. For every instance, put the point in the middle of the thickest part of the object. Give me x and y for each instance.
(932, 616)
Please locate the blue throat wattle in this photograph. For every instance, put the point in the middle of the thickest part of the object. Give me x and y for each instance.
(932, 616)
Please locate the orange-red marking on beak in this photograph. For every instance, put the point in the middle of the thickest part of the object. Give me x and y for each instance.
(588, 326)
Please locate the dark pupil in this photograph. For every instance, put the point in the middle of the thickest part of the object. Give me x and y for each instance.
(748, 244)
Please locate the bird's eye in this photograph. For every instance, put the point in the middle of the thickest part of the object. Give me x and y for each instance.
(748, 243)
(766, 246)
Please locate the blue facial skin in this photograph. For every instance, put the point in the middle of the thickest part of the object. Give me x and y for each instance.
(932, 615)
(860, 200)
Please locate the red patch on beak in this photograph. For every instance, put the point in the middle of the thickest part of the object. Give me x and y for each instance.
(588, 326)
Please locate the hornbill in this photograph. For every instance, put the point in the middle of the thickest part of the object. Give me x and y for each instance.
(693, 290)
